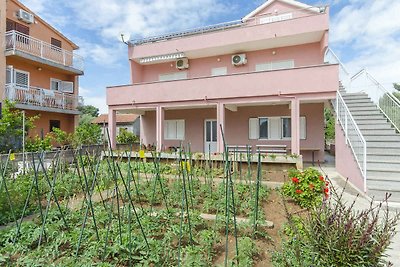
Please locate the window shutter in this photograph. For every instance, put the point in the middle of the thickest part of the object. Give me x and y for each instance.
(274, 128)
(180, 130)
(67, 87)
(219, 71)
(21, 79)
(285, 64)
(253, 129)
(303, 128)
(263, 66)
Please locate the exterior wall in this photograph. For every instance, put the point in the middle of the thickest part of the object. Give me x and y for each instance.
(38, 29)
(237, 126)
(39, 78)
(67, 122)
(346, 165)
(303, 55)
(280, 7)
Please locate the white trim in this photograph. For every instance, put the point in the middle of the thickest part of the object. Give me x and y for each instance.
(57, 81)
(268, 3)
(176, 135)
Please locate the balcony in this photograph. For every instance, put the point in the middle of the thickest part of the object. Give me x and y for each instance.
(36, 98)
(33, 49)
(313, 80)
(263, 32)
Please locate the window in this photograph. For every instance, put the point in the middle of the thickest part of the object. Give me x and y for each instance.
(55, 84)
(174, 129)
(55, 43)
(21, 79)
(263, 128)
(274, 128)
(275, 65)
(12, 25)
(54, 124)
(219, 71)
(173, 76)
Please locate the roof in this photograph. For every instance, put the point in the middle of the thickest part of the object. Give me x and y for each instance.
(75, 46)
(121, 118)
(289, 2)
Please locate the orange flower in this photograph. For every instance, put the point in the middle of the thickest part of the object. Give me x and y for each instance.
(298, 191)
(321, 178)
(311, 186)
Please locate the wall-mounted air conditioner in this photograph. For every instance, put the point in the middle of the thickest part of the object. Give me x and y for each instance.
(239, 59)
(182, 63)
(25, 16)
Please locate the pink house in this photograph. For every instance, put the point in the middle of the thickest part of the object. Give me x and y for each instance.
(262, 80)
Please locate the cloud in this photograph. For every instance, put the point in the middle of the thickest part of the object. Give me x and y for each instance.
(367, 34)
(97, 101)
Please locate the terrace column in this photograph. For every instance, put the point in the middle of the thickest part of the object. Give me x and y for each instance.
(159, 127)
(295, 120)
(220, 122)
(112, 127)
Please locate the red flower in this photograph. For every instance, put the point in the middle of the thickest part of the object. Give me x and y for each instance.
(321, 178)
(295, 180)
(326, 183)
(326, 190)
(326, 195)
(311, 186)
(298, 191)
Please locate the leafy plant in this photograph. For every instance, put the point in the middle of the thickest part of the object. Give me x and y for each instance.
(61, 138)
(307, 188)
(38, 144)
(87, 134)
(126, 137)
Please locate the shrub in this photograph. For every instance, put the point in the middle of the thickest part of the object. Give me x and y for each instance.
(61, 138)
(307, 188)
(126, 137)
(36, 143)
(335, 234)
(87, 134)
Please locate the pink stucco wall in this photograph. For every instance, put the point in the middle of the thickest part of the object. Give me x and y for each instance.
(303, 55)
(346, 165)
(237, 126)
(278, 7)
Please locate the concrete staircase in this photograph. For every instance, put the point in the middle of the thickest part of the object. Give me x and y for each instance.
(383, 146)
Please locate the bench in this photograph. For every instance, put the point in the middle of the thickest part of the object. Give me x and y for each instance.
(275, 149)
(312, 150)
(239, 149)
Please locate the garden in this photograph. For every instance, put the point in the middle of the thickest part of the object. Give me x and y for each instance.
(123, 209)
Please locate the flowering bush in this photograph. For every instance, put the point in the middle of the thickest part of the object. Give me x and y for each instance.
(307, 188)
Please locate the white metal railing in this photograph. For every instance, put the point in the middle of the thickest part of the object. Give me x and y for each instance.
(30, 95)
(331, 58)
(16, 41)
(383, 98)
(260, 19)
(353, 136)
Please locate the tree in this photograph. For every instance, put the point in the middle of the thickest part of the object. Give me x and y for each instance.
(11, 125)
(397, 87)
(89, 110)
(87, 134)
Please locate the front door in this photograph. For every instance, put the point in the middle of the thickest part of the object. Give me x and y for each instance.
(210, 136)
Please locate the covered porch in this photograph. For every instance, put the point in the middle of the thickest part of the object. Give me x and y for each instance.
(293, 122)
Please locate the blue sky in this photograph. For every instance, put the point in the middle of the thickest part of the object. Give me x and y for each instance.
(363, 33)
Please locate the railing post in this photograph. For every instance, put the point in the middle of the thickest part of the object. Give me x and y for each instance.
(365, 166)
(63, 52)
(346, 129)
(14, 39)
(41, 49)
(41, 97)
(63, 100)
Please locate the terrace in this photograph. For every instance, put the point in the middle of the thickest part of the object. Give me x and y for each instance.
(30, 48)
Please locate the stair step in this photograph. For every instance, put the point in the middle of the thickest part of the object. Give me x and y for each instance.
(383, 144)
(381, 164)
(356, 96)
(363, 108)
(379, 195)
(377, 131)
(381, 121)
(382, 157)
(379, 126)
(358, 101)
(383, 138)
(383, 174)
(380, 150)
(368, 117)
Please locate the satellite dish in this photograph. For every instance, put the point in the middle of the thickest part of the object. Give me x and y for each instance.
(125, 37)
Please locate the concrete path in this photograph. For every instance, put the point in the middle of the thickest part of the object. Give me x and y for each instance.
(363, 202)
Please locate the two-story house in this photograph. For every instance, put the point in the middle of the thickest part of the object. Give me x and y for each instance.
(261, 80)
(39, 70)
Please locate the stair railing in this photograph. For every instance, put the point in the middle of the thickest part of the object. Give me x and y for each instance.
(353, 136)
(383, 98)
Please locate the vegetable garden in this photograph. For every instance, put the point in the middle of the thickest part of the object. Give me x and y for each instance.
(102, 210)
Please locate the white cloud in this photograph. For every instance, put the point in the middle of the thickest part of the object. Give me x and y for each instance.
(370, 30)
(97, 101)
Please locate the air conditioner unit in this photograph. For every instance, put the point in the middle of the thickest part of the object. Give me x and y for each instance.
(182, 63)
(239, 59)
(25, 16)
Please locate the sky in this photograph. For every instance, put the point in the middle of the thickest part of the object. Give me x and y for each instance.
(363, 33)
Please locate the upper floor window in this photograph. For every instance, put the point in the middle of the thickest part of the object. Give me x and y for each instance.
(62, 86)
(13, 25)
(275, 65)
(219, 71)
(173, 76)
(55, 43)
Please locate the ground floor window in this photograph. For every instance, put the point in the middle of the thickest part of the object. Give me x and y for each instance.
(274, 128)
(174, 129)
(54, 124)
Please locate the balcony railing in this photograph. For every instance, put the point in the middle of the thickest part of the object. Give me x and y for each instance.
(36, 96)
(16, 41)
